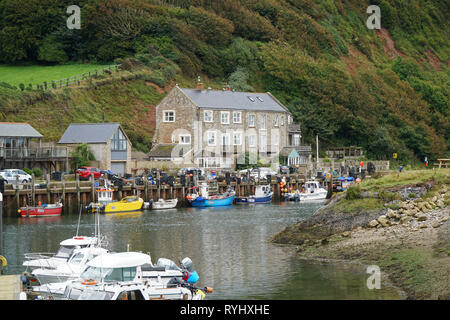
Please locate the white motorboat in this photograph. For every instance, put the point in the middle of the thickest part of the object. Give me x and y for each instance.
(312, 190)
(164, 204)
(136, 291)
(122, 267)
(65, 251)
(72, 269)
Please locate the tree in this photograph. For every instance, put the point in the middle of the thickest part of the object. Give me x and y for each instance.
(81, 156)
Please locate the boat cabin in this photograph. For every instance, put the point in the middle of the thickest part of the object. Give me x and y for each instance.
(311, 186)
(262, 191)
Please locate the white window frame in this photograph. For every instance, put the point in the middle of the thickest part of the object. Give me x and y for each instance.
(296, 140)
(234, 116)
(208, 112)
(237, 134)
(228, 117)
(276, 137)
(252, 138)
(227, 136)
(263, 144)
(210, 134)
(251, 124)
(262, 117)
(276, 120)
(166, 112)
(282, 120)
(184, 136)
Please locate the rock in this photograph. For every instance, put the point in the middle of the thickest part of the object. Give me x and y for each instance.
(440, 203)
(423, 226)
(397, 216)
(436, 225)
(434, 199)
(391, 213)
(428, 205)
(373, 223)
(405, 219)
(422, 217)
(345, 233)
(383, 221)
(411, 212)
(324, 241)
(444, 219)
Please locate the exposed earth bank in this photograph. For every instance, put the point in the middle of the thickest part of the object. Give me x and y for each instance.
(404, 229)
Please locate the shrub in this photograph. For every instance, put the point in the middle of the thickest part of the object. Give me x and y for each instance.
(27, 170)
(353, 193)
(37, 172)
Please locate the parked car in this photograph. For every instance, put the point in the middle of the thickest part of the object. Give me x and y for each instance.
(263, 173)
(10, 175)
(85, 172)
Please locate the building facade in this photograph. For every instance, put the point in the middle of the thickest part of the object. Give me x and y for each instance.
(21, 147)
(107, 141)
(217, 128)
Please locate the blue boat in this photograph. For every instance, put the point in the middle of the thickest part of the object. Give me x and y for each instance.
(263, 194)
(203, 199)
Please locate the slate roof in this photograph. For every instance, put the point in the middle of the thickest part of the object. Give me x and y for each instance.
(89, 132)
(216, 99)
(18, 129)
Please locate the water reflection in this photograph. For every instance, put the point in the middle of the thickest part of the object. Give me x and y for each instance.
(229, 246)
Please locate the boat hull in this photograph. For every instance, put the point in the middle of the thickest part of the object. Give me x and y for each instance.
(202, 202)
(157, 205)
(122, 207)
(34, 212)
(249, 200)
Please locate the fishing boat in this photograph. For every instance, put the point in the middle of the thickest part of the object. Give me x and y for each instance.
(201, 197)
(104, 196)
(164, 204)
(263, 194)
(311, 191)
(127, 204)
(42, 210)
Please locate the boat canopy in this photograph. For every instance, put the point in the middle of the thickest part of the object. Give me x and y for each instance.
(78, 241)
(120, 260)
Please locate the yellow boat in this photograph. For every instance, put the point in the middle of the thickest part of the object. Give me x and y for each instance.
(127, 204)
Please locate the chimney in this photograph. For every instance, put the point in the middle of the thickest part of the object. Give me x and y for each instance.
(199, 84)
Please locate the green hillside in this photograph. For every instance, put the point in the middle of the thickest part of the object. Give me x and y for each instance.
(385, 90)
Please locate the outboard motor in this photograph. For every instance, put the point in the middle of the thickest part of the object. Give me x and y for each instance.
(187, 264)
(168, 264)
(191, 275)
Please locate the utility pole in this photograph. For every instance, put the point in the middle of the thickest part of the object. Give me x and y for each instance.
(317, 152)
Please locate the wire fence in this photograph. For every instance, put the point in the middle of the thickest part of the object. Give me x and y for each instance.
(77, 79)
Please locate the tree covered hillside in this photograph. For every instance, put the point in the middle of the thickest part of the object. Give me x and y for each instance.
(385, 90)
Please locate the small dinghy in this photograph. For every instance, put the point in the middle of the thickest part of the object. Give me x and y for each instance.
(164, 204)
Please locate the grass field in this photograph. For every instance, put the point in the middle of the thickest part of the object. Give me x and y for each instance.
(34, 74)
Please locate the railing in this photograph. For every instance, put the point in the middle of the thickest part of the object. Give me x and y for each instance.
(66, 82)
(34, 153)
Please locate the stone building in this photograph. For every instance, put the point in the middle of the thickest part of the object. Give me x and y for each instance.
(215, 128)
(107, 141)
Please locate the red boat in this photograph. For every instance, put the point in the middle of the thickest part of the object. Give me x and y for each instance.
(45, 210)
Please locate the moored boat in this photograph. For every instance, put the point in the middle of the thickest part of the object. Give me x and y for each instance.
(43, 210)
(202, 198)
(127, 204)
(263, 194)
(164, 204)
(311, 191)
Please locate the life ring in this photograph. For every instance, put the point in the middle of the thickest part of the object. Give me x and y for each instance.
(89, 282)
(3, 261)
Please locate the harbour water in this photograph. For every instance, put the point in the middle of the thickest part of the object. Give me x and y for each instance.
(230, 248)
